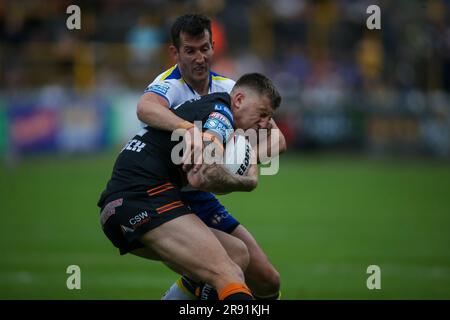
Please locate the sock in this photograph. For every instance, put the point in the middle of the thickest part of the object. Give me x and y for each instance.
(208, 293)
(276, 296)
(183, 289)
(235, 291)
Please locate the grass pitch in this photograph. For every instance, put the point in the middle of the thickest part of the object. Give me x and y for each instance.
(322, 221)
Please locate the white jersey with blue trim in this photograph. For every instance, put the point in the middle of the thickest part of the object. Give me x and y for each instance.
(171, 86)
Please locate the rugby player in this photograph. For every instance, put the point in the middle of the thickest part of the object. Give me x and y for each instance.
(191, 77)
(142, 211)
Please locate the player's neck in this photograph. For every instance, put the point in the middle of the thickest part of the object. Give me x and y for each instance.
(201, 87)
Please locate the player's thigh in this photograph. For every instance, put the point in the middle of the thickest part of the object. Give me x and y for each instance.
(147, 253)
(150, 254)
(235, 248)
(187, 243)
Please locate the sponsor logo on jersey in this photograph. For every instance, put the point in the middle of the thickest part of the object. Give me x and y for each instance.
(221, 117)
(211, 123)
(125, 229)
(224, 109)
(139, 219)
(224, 129)
(160, 88)
(218, 218)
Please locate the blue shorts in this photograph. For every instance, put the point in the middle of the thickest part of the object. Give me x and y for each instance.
(206, 206)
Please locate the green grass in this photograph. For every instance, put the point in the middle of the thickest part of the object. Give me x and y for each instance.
(322, 221)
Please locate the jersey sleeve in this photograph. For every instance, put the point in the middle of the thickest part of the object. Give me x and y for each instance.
(166, 89)
(220, 122)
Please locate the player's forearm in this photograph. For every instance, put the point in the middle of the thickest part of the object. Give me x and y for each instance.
(215, 178)
(218, 179)
(157, 115)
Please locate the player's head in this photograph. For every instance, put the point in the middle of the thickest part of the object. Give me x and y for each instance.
(192, 46)
(254, 99)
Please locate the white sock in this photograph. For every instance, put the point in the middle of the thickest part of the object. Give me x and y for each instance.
(178, 292)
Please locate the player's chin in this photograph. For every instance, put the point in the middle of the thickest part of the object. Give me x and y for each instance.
(200, 76)
(200, 72)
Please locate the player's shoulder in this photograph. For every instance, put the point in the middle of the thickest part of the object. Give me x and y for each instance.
(220, 78)
(168, 84)
(218, 116)
(205, 105)
(221, 83)
(219, 102)
(169, 78)
(216, 99)
(209, 102)
(171, 74)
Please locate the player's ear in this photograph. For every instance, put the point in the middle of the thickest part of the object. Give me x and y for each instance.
(238, 98)
(173, 52)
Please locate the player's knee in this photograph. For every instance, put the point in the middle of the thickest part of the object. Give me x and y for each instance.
(273, 278)
(267, 279)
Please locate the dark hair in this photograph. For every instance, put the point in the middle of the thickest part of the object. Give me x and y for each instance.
(262, 85)
(192, 24)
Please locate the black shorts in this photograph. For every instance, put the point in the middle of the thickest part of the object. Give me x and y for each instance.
(128, 215)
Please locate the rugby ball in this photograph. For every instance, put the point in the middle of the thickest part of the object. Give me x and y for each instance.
(237, 155)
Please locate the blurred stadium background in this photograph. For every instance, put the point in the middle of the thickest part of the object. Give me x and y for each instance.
(366, 114)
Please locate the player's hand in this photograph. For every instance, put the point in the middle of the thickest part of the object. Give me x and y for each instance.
(193, 157)
(194, 178)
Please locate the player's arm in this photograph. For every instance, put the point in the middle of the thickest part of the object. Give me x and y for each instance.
(216, 178)
(153, 110)
(266, 146)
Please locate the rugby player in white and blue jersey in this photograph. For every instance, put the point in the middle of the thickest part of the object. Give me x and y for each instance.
(190, 78)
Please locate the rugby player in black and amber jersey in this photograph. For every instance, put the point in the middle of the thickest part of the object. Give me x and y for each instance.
(141, 208)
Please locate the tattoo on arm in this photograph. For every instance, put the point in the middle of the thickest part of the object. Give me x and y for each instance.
(216, 178)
